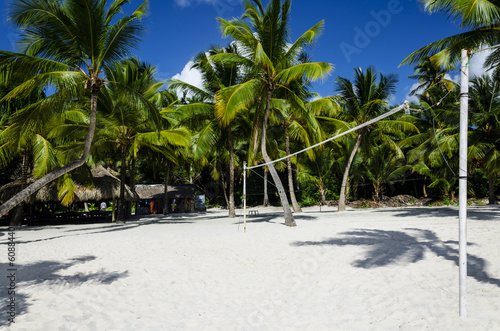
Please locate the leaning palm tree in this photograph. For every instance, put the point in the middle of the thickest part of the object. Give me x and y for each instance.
(67, 43)
(263, 35)
(361, 100)
(481, 17)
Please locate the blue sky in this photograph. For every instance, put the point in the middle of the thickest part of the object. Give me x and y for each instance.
(357, 33)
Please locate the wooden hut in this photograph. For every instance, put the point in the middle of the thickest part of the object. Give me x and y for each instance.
(105, 187)
(152, 198)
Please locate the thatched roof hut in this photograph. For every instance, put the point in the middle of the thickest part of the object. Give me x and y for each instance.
(106, 187)
(157, 191)
(47, 193)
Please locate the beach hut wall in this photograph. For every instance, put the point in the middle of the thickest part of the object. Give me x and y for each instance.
(157, 191)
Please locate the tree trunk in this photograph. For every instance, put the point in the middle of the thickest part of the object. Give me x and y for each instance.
(343, 197)
(231, 206)
(415, 189)
(256, 128)
(289, 220)
(322, 193)
(265, 203)
(132, 182)
(165, 199)
(424, 188)
(224, 189)
(16, 218)
(113, 211)
(21, 196)
(123, 175)
(296, 207)
(492, 199)
(376, 186)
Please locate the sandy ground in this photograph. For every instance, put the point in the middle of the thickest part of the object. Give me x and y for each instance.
(382, 269)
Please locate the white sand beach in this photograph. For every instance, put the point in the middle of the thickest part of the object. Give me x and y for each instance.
(373, 269)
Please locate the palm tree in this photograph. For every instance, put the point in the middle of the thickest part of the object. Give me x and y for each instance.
(435, 148)
(383, 165)
(16, 141)
(316, 170)
(481, 17)
(362, 100)
(131, 125)
(429, 74)
(67, 43)
(272, 58)
(212, 131)
(485, 136)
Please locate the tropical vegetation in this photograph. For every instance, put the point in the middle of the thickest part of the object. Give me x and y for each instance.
(72, 98)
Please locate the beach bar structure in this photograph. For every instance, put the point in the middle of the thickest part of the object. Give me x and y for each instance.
(181, 199)
(104, 187)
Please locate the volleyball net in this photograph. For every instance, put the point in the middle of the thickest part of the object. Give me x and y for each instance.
(405, 106)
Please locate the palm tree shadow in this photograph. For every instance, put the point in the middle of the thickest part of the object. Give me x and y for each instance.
(391, 247)
(47, 273)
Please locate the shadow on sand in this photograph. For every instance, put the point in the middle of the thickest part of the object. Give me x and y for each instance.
(477, 213)
(46, 272)
(273, 217)
(388, 247)
(77, 230)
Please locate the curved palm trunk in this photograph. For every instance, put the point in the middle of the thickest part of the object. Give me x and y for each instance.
(296, 207)
(256, 128)
(231, 206)
(123, 174)
(17, 214)
(21, 196)
(265, 203)
(343, 188)
(424, 187)
(165, 199)
(289, 220)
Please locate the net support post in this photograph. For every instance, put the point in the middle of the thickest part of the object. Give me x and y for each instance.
(464, 102)
(244, 196)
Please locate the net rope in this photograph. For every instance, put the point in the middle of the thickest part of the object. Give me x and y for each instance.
(405, 106)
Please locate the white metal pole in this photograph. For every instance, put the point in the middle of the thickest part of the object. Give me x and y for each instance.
(245, 196)
(464, 102)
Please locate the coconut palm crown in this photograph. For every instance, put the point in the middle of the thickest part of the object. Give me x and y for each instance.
(66, 44)
(480, 16)
(263, 36)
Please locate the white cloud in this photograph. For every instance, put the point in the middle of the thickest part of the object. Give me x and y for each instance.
(412, 98)
(315, 97)
(477, 62)
(190, 75)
